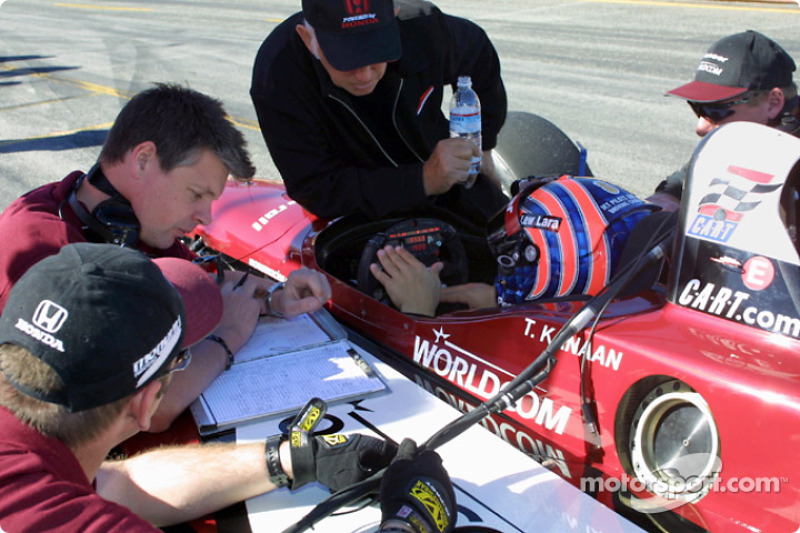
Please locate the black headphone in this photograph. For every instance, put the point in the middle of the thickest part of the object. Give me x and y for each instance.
(112, 220)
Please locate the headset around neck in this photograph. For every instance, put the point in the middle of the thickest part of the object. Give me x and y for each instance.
(112, 220)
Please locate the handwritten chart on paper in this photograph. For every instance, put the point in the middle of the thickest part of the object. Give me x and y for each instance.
(276, 335)
(285, 382)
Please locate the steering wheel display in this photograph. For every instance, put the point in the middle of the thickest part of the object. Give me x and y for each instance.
(429, 239)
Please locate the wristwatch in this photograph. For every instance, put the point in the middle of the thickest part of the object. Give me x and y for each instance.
(277, 476)
(268, 299)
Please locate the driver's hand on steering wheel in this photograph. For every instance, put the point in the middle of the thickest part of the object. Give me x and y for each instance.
(413, 287)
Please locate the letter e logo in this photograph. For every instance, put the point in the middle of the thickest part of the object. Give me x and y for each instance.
(758, 273)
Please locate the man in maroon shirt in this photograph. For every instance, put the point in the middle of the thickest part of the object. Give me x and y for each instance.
(166, 159)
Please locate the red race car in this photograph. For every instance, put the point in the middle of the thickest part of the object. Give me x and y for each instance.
(667, 388)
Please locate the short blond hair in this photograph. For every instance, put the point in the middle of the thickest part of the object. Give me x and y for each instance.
(18, 365)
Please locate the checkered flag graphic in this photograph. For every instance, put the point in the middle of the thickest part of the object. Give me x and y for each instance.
(733, 196)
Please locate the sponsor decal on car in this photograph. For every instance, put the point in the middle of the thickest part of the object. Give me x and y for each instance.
(728, 199)
(732, 305)
(575, 345)
(709, 228)
(265, 219)
(485, 379)
(545, 453)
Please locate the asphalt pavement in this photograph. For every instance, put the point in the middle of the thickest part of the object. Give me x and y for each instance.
(597, 68)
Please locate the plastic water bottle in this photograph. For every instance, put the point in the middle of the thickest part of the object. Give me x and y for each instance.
(465, 121)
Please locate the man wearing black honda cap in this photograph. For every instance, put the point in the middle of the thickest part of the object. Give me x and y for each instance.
(742, 77)
(89, 341)
(348, 95)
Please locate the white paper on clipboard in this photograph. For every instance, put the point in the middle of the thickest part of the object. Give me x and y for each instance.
(283, 365)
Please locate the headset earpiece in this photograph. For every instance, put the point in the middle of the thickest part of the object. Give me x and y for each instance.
(112, 220)
(117, 216)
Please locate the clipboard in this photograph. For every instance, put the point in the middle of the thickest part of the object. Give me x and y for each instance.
(282, 366)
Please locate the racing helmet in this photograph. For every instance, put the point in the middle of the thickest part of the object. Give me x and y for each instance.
(561, 237)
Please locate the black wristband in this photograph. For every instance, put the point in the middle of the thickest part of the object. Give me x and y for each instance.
(219, 340)
(272, 455)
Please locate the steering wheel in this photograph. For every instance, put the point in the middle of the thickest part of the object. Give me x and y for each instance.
(429, 239)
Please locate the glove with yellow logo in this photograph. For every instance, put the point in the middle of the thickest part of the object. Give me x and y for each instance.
(337, 461)
(416, 490)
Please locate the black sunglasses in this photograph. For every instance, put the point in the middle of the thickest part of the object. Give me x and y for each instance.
(716, 112)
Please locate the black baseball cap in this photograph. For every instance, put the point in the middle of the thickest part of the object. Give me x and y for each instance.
(354, 33)
(747, 61)
(107, 319)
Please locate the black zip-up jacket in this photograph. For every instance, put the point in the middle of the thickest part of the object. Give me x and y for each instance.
(331, 162)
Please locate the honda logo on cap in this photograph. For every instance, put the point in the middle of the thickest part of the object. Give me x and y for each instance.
(356, 7)
(49, 316)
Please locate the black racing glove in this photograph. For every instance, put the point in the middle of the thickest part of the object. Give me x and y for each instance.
(337, 461)
(416, 489)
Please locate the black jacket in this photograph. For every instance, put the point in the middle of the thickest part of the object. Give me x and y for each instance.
(331, 161)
